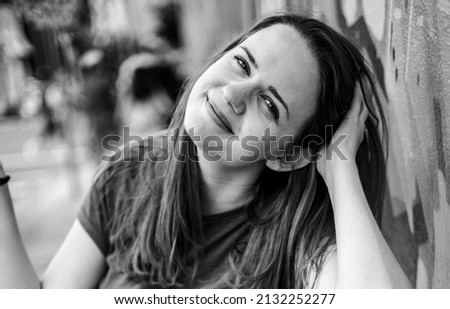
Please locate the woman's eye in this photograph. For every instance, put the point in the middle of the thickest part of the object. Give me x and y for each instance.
(243, 64)
(271, 106)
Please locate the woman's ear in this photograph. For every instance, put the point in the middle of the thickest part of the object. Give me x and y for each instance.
(299, 159)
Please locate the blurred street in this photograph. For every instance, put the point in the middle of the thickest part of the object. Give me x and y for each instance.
(71, 73)
(48, 183)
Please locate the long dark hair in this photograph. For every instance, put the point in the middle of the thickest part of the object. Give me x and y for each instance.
(157, 229)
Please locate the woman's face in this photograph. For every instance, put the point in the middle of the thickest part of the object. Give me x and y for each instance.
(254, 98)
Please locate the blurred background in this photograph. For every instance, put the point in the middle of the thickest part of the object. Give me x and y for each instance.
(74, 71)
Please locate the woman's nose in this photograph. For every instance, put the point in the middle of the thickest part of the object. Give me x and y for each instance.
(237, 95)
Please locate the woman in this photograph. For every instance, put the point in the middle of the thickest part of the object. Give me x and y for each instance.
(259, 215)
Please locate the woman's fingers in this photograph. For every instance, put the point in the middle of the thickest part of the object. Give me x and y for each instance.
(356, 102)
(368, 97)
(364, 112)
(2, 172)
(359, 106)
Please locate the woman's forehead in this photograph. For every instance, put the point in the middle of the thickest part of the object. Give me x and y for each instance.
(285, 61)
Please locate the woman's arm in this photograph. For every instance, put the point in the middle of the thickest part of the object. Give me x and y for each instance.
(79, 263)
(362, 258)
(16, 270)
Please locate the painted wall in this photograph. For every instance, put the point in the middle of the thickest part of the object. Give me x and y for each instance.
(408, 45)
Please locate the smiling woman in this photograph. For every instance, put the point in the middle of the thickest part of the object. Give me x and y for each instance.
(282, 211)
(255, 87)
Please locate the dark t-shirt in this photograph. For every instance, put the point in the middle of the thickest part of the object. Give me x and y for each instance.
(222, 233)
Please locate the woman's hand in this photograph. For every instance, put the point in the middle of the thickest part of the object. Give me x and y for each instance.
(5, 197)
(351, 132)
(2, 172)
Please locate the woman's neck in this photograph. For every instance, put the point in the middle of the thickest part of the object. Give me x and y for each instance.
(226, 188)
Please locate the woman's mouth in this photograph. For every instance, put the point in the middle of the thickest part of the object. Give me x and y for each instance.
(218, 118)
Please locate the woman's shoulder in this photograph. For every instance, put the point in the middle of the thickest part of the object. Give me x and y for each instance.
(325, 277)
(119, 179)
(119, 182)
(134, 155)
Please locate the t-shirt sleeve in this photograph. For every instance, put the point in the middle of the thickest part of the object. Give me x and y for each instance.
(94, 215)
(103, 200)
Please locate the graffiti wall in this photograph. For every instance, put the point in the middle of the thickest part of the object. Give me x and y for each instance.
(408, 45)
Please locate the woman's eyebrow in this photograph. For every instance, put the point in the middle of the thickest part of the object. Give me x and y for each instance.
(271, 88)
(250, 56)
(277, 95)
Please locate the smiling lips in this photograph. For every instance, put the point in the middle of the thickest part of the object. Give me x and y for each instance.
(218, 118)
